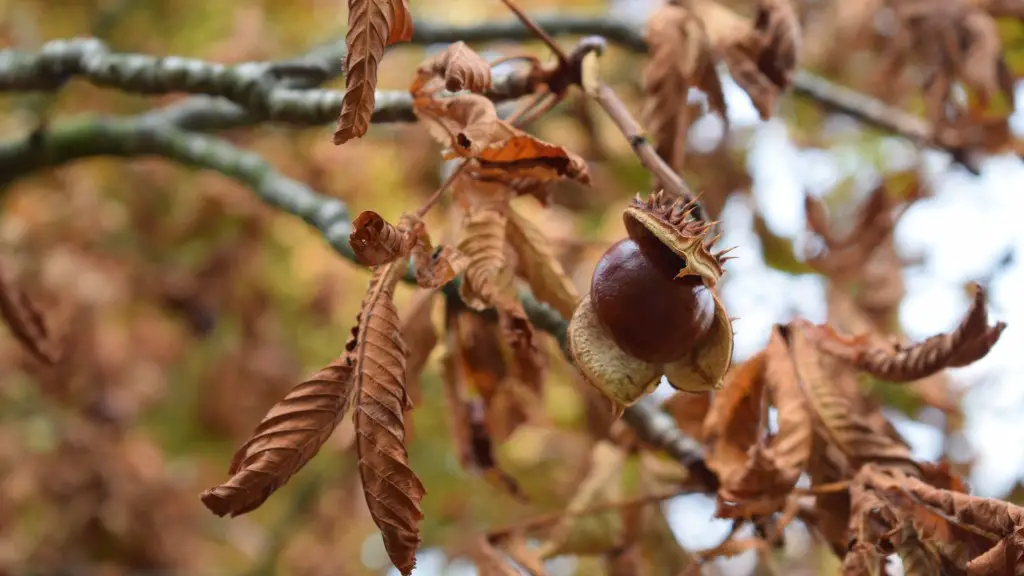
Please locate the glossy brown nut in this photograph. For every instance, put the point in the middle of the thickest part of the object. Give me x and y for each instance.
(649, 314)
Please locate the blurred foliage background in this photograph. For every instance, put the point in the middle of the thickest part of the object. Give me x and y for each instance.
(192, 307)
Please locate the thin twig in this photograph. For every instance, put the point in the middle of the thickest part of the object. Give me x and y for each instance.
(650, 159)
(537, 30)
(554, 517)
(440, 189)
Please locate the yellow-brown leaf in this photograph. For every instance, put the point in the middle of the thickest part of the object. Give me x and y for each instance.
(542, 270)
(376, 241)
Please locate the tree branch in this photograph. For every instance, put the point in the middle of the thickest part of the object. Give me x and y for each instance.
(284, 90)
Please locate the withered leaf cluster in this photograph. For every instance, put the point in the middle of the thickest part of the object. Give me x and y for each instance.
(494, 369)
(688, 39)
(831, 431)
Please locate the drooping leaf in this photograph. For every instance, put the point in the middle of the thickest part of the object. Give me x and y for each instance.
(459, 66)
(489, 276)
(542, 270)
(731, 426)
(792, 446)
(680, 57)
(393, 491)
(27, 324)
(970, 342)
(288, 437)
(761, 55)
(372, 26)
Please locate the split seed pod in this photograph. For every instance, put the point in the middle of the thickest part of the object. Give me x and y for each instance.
(652, 310)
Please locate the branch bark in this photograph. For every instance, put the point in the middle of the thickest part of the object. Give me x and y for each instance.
(284, 91)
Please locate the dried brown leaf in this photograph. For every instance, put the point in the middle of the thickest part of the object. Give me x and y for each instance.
(372, 26)
(971, 341)
(731, 426)
(393, 491)
(548, 281)
(469, 125)
(489, 277)
(830, 388)
(459, 66)
(792, 446)
(27, 324)
(483, 243)
(288, 437)
(680, 57)
(959, 526)
(376, 241)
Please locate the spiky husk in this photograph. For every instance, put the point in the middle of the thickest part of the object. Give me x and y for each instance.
(671, 221)
(624, 378)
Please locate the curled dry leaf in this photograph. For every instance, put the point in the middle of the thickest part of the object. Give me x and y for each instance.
(376, 241)
(548, 281)
(680, 57)
(469, 416)
(968, 532)
(489, 278)
(372, 26)
(469, 125)
(970, 342)
(27, 324)
(764, 63)
(459, 66)
(758, 479)
(793, 444)
(434, 267)
(393, 491)
(652, 308)
(288, 437)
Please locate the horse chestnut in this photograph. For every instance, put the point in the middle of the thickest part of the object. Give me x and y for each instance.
(649, 313)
